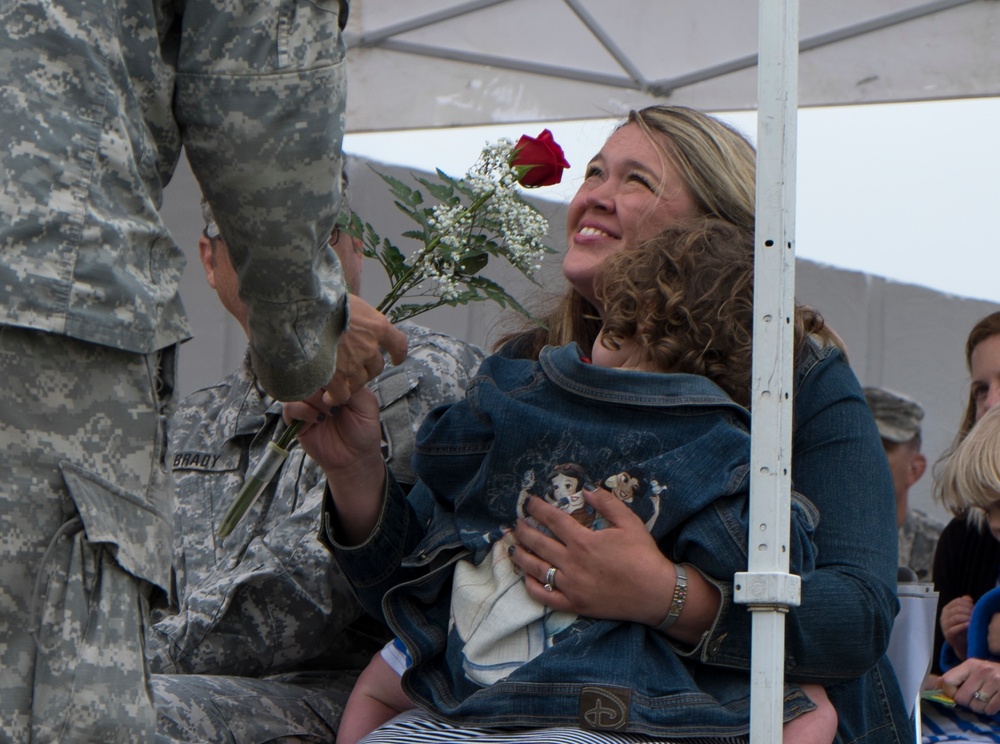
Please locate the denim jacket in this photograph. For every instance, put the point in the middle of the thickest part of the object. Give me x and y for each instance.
(839, 633)
(678, 434)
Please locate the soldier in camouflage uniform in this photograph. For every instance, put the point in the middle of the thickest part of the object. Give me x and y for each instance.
(898, 420)
(97, 97)
(268, 639)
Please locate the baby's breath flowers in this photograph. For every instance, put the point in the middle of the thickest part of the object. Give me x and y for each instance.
(480, 216)
(474, 218)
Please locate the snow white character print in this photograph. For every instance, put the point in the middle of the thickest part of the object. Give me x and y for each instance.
(500, 625)
(566, 482)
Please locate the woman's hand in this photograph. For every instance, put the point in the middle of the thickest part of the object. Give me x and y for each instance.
(337, 437)
(345, 441)
(615, 573)
(955, 624)
(974, 684)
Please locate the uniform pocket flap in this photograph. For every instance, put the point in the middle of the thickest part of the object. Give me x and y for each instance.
(137, 533)
(393, 384)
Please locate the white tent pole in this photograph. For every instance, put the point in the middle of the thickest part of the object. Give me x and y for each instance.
(767, 587)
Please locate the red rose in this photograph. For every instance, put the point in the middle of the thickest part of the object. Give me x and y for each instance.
(539, 160)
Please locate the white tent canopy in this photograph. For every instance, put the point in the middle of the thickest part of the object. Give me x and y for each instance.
(435, 63)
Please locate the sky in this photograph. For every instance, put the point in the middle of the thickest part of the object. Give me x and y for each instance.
(906, 191)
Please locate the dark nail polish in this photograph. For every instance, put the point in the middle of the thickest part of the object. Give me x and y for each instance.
(588, 486)
(334, 410)
(320, 417)
(511, 549)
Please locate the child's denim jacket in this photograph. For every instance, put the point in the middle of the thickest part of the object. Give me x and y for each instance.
(675, 446)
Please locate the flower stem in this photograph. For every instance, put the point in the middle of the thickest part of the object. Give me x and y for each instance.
(400, 287)
(257, 481)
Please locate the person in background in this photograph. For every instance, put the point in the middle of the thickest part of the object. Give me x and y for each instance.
(898, 420)
(967, 560)
(266, 639)
(97, 101)
(970, 659)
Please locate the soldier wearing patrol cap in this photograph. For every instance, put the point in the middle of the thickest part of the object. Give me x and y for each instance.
(898, 419)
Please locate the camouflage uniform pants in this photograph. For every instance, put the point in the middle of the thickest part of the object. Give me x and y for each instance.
(299, 707)
(83, 536)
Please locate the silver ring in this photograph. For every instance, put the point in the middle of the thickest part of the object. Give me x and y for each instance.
(978, 695)
(550, 579)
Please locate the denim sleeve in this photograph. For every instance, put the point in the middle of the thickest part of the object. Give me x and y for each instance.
(376, 565)
(841, 629)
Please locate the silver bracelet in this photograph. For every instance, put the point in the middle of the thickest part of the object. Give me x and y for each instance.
(680, 597)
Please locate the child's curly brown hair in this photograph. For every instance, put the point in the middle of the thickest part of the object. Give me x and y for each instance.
(686, 299)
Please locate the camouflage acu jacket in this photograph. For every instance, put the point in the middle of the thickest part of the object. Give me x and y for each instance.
(97, 98)
(270, 597)
(918, 537)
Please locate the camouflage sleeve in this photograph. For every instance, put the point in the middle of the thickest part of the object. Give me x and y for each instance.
(918, 537)
(260, 101)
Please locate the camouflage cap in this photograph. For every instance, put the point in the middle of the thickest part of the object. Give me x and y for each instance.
(897, 416)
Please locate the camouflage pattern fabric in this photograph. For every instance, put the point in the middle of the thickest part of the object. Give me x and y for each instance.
(223, 705)
(97, 98)
(84, 515)
(269, 601)
(917, 542)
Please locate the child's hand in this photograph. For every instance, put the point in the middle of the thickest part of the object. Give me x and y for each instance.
(993, 635)
(346, 443)
(955, 624)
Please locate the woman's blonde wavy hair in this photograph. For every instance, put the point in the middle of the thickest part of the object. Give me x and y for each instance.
(718, 166)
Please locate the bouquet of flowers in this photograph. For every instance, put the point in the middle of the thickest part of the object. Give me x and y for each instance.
(475, 218)
(478, 217)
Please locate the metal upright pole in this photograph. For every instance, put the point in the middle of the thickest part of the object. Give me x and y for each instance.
(767, 587)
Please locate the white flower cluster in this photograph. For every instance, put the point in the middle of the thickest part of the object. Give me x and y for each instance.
(496, 208)
(469, 222)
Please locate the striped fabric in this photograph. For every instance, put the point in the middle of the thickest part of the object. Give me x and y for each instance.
(941, 724)
(417, 727)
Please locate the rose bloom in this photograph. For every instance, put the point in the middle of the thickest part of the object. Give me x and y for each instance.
(541, 158)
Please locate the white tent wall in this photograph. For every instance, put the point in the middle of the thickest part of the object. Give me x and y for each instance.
(902, 336)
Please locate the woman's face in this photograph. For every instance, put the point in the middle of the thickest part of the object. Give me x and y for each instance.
(985, 367)
(630, 193)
